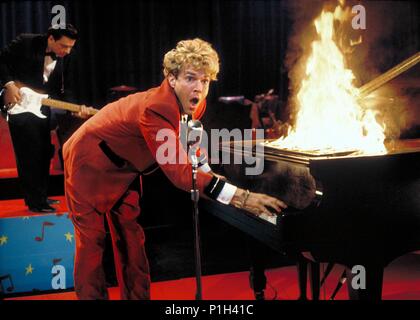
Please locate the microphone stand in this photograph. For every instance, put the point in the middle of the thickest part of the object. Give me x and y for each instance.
(197, 247)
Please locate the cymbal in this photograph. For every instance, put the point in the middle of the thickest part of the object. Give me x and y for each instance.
(239, 99)
(231, 99)
(123, 88)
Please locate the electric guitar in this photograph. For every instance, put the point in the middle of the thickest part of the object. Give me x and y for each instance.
(32, 101)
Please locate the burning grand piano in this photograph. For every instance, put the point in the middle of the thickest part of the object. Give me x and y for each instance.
(353, 198)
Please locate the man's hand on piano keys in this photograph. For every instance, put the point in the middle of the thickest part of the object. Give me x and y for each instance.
(219, 176)
(257, 203)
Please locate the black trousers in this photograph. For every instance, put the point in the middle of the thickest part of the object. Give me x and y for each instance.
(33, 151)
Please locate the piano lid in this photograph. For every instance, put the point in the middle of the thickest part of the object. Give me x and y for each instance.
(312, 153)
(256, 147)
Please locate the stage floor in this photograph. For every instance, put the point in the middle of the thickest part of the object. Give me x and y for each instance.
(172, 269)
(402, 282)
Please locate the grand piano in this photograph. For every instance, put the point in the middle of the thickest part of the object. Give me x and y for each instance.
(344, 208)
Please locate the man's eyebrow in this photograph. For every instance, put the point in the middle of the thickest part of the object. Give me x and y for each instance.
(194, 74)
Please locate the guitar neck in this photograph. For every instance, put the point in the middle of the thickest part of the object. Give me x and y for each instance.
(64, 105)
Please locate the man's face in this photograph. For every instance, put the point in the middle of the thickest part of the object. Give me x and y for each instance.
(62, 46)
(191, 87)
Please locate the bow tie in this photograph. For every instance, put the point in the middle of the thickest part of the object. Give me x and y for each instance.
(52, 55)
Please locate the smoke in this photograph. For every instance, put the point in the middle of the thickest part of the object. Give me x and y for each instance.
(298, 49)
(392, 35)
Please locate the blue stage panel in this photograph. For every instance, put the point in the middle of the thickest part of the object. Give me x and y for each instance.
(36, 253)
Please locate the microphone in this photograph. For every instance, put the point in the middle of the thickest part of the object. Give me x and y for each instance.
(195, 132)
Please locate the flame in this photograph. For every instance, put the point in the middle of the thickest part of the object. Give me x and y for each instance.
(329, 116)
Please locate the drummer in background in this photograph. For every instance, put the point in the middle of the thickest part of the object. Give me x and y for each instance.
(265, 114)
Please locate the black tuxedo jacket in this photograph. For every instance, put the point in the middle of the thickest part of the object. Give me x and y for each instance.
(23, 60)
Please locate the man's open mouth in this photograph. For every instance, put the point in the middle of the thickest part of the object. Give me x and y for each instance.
(194, 101)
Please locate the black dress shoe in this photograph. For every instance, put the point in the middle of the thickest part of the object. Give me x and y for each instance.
(42, 209)
(53, 201)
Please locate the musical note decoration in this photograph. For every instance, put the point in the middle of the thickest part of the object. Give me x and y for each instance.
(4, 278)
(44, 224)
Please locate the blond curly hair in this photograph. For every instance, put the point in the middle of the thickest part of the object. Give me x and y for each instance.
(196, 53)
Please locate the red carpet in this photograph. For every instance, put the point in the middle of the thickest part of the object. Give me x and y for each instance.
(17, 208)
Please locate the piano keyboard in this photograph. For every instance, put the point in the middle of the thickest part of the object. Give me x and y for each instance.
(266, 217)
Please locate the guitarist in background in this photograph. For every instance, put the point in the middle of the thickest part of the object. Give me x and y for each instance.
(40, 62)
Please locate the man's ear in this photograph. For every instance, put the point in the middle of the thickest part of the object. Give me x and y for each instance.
(172, 80)
(50, 41)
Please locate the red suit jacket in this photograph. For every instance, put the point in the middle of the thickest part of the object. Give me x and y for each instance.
(128, 127)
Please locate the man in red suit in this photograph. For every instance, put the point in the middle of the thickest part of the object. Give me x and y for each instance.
(109, 151)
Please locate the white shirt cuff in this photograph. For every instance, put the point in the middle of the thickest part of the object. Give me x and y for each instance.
(205, 168)
(227, 193)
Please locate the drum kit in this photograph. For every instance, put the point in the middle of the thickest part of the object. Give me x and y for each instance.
(120, 91)
(264, 113)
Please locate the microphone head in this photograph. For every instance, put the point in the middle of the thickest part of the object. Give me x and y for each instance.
(195, 125)
(195, 131)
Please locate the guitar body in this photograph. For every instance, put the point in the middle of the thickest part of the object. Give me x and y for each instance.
(31, 102)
